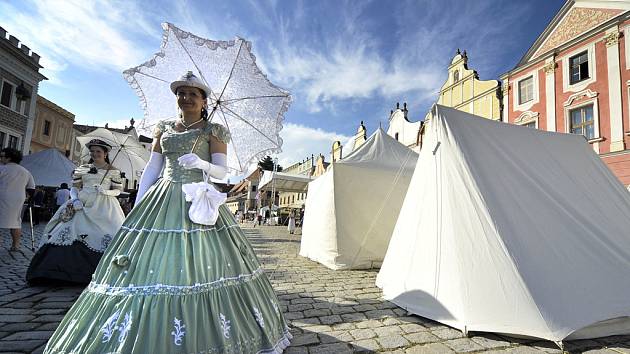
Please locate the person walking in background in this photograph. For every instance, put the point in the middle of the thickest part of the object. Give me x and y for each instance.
(62, 195)
(291, 225)
(37, 204)
(14, 181)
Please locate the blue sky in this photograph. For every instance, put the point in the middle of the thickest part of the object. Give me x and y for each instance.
(343, 61)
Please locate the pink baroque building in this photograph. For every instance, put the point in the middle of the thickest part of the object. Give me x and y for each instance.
(575, 78)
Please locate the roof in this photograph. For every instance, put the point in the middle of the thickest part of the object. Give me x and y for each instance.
(145, 139)
(54, 107)
(575, 19)
(85, 129)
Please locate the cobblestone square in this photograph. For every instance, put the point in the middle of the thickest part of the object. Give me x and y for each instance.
(329, 311)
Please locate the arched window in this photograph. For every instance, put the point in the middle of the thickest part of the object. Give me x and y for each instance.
(455, 75)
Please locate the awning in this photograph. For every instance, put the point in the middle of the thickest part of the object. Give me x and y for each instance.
(284, 182)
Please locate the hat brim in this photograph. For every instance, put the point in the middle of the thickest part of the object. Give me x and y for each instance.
(181, 83)
(106, 147)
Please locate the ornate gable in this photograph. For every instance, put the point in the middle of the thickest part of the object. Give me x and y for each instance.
(576, 22)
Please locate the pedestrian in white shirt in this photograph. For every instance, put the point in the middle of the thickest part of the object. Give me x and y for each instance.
(62, 195)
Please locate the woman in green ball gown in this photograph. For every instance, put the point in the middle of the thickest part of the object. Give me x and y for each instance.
(166, 284)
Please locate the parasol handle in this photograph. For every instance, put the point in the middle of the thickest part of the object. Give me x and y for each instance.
(208, 122)
(114, 159)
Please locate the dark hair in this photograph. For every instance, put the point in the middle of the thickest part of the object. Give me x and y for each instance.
(64, 186)
(203, 93)
(13, 154)
(204, 110)
(105, 151)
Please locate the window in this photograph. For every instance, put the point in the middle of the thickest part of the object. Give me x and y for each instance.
(47, 128)
(13, 141)
(578, 68)
(3, 137)
(455, 76)
(253, 188)
(526, 90)
(396, 136)
(7, 94)
(530, 125)
(582, 121)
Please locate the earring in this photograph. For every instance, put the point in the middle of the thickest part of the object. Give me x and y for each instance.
(204, 113)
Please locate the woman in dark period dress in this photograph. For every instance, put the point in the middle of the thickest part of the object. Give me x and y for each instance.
(166, 284)
(77, 235)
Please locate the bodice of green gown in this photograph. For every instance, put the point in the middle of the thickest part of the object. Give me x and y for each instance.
(175, 144)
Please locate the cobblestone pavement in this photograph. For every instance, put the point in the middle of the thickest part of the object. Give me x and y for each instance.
(330, 311)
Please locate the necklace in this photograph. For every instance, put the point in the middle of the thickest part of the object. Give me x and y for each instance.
(100, 167)
(187, 126)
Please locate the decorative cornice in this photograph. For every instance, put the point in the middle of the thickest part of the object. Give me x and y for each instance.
(529, 59)
(576, 22)
(19, 69)
(550, 67)
(526, 117)
(612, 38)
(588, 93)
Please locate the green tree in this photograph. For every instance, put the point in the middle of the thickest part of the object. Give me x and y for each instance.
(267, 164)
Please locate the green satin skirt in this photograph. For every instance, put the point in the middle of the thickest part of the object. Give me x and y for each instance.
(168, 285)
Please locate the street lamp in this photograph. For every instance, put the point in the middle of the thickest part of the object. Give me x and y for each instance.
(273, 185)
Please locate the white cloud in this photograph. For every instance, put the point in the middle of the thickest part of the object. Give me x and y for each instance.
(351, 67)
(87, 34)
(300, 141)
(409, 58)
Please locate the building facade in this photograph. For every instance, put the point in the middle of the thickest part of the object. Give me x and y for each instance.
(464, 91)
(576, 79)
(19, 83)
(406, 132)
(52, 128)
(295, 200)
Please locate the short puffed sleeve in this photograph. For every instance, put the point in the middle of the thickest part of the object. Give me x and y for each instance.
(159, 128)
(115, 177)
(220, 132)
(78, 173)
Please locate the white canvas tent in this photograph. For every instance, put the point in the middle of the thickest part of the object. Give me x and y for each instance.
(513, 230)
(284, 182)
(49, 168)
(350, 210)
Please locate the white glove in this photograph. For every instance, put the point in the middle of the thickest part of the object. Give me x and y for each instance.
(77, 204)
(192, 160)
(150, 174)
(74, 199)
(108, 192)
